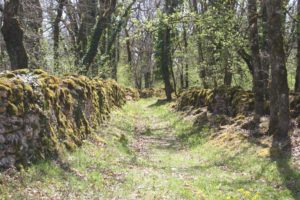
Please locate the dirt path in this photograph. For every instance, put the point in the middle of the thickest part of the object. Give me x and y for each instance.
(148, 152)
(157, 166)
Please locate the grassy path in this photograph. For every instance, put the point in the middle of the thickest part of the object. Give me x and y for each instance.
(147, 152)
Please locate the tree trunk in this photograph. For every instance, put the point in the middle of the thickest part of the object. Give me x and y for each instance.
(265, 48)
(147, 77)
(13, 35)
(88, 14)
(227, 76)
(186, 60)
(165, 56)
(258, 84)
(200, 59)
(115, 59)
(32, 19)
(107, 7)
(166, 59)
(227, 68)
(247, 59)
(56, 33)
(297, 83)
(279, 96)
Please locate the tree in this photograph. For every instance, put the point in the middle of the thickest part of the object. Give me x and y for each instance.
(107, 7)
(13, 35)
(164, 50)
(258, 84)
(297, 82)
(31, 16)
(87, 14)
(200, 59)
(279, 91)
(56, 31)
(265, 48)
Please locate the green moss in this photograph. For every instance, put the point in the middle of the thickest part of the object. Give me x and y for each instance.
(40, 72)
(49, 94)
(22, 71)
(10, 75)
(5, 88)
(12, 109)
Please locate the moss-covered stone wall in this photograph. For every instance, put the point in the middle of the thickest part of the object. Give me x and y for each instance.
(222, 100)
(151, 92)
(41, 114)
(229, 101)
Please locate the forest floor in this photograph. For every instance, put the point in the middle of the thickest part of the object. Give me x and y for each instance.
(147, 151)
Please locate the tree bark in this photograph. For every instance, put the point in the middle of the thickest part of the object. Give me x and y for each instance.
(297, 81)
(185, 39)
(265, 48)
(279, 91)
(107, 7)
(56, 33)
(32, 19)
(248, 60)
(165, 57)
(114, 53)
(88, 14)
(200, 59)
(13, 35)
(258, 84)
(165, 60)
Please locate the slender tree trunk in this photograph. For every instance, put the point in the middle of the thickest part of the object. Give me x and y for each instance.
(56, 33)
(200, 59)
(248, 60)
(165, 49)
(227, 76)
(186, 61)
(173, 76)
(114, 59)
(297, 82)
(181, 76)
(13, 35)
(279, 96)
(227, 68)
(147, 79)
(258, 84)
(137, 82)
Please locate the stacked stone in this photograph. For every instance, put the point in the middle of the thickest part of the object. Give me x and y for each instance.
(42, 114)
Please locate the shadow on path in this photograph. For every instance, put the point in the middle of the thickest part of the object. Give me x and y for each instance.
(281, 152)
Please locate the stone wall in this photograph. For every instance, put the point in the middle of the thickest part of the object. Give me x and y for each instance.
(222, 100)
(229, 101)
(42, 114)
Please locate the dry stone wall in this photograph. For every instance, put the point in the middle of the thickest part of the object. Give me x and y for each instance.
(42, 114)
(222, 100)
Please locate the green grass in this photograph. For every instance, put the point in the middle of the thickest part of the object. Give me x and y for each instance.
(147, 151)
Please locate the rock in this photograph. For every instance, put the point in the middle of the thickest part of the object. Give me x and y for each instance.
(8, 161)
